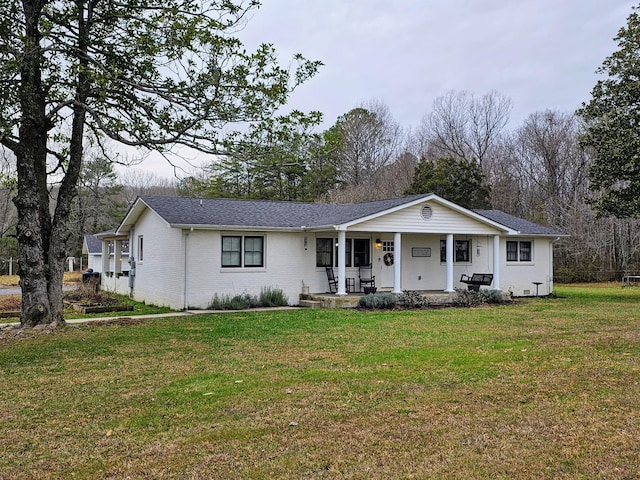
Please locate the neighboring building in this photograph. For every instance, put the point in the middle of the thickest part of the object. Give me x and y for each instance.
(186, 250)
(93, 246)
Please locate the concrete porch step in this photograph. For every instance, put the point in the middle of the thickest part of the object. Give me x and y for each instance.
(310, 304)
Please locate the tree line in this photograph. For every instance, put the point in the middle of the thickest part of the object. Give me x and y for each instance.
(463, 151)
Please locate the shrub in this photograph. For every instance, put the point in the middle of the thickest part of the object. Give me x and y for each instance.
(273, 297)
(492, 296)
(467, 298)
(382, 301)
(269, 297)
(233, 302)
(411, 299)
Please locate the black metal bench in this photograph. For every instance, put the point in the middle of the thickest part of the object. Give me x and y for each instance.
(474, 281)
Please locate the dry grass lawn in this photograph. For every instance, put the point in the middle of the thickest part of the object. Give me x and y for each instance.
(544, 389)
(13, 280)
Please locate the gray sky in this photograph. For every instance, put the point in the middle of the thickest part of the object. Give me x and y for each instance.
(542, 54)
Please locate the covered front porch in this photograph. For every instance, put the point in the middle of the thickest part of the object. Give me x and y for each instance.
(117, 269)
(429, 262)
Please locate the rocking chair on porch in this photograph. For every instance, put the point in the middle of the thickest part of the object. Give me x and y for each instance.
(333, 281)
(367, 280)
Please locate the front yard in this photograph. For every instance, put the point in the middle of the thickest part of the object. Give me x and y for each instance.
(545, 388)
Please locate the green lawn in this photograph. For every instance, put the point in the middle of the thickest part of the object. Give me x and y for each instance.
(546, 388)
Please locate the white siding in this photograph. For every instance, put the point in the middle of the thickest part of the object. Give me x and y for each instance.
(409, 220)
(94, 262)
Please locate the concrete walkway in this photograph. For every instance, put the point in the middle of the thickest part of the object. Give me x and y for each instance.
(184, 313)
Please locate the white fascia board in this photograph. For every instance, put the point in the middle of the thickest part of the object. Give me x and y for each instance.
(113, 235)
(132, 216)
(538, 235)
(237, 228)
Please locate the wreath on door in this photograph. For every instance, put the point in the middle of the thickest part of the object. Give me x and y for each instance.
(388, 259)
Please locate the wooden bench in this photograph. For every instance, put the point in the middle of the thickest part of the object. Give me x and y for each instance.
(474, 281)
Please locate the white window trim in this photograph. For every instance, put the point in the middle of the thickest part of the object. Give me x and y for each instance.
(519, 262)
(334, 255)
(456, 239)
(242, 268)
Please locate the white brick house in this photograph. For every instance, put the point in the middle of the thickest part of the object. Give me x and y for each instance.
(186, 250)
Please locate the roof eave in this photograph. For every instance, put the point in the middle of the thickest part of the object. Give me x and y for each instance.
(236, 228)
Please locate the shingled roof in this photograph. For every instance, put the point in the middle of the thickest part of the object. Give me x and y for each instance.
(233, 213)
(262, 213)
(523, 226)
(93, 244)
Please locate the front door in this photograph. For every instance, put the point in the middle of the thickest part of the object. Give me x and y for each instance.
(386, 264)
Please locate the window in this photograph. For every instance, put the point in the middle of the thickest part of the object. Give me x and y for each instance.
(239, 251)
(141, 248)
(347, 252)
(519, 251)
(253, 248)
(361, 254)
(324, 252)
(357, 252)
(461, 251)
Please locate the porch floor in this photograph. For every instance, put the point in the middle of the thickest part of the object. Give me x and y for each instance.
(332, 300)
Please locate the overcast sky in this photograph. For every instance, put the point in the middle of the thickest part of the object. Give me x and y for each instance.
(542, 54)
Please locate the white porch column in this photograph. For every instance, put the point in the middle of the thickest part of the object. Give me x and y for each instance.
(397, 263)
(342, 274)
(117, 256)
(496, 262)
(105, 256)
(449, 263)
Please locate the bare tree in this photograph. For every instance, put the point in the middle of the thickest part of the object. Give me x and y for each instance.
(551, 166)
(137, 182)
(369, 140)
(463, 126)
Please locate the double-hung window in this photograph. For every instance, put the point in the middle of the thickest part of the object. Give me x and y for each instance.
(324, 252)
(519, 251)
(357, 252)
(361, 252)
(240, 251)
(461, 251)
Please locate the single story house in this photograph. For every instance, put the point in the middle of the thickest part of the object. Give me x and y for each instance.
(186, 250)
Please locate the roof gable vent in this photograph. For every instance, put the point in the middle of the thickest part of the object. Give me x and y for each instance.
(426, 213)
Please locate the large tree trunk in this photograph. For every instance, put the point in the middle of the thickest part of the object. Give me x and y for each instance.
(32, 200)
(43, 242)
